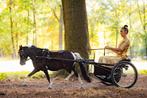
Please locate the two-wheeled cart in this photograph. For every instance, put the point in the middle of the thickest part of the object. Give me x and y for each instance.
(122, 74)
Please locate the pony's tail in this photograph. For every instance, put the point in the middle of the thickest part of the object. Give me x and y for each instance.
(84, 72)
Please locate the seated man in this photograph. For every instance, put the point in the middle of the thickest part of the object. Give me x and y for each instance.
(121, 50)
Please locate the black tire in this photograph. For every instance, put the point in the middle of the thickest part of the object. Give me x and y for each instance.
(107, 83)
(117, 72)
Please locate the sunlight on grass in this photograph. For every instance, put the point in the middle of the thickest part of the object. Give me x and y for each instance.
(9, 75)
(20, 75)
(143, 72)
(23, 74)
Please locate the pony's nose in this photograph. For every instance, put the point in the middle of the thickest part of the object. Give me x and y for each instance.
(22, 63)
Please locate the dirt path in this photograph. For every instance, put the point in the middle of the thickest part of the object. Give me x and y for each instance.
(70, 89)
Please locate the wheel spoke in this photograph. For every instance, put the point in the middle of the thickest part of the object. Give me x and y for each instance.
(124, 74)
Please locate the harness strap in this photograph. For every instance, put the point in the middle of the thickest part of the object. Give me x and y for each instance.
(28, 59)
(46, 52)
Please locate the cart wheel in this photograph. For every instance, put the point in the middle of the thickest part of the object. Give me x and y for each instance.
(107, 83)
(124, 74)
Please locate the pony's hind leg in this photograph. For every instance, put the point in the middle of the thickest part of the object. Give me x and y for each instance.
(48, 78)
(77, 75)
(80, 80)
(71, 74)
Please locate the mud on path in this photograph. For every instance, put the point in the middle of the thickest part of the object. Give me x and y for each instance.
(70, 89)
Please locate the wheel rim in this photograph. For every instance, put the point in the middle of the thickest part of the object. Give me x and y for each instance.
(124, 75)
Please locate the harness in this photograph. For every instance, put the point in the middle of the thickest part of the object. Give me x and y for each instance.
(44, 52)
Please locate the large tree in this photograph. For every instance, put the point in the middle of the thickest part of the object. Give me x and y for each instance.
(76, 26)
(11, 28)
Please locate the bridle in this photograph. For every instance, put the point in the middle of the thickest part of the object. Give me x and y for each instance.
(44, 52)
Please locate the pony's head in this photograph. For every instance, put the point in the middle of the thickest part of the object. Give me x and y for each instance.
(23, 54)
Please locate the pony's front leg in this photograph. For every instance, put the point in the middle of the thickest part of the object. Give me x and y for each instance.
(71, 74)
(29, 75)
(48, 78)
(33, 72)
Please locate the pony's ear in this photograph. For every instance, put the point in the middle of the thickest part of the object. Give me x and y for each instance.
(20, 46)
(33, 46)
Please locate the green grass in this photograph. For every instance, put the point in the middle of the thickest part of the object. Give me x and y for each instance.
(143, 72)
(3, 76)
(19, 75)
(39, 75)
(23, 74)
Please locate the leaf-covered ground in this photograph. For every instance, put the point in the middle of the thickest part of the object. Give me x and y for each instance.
(38, 88)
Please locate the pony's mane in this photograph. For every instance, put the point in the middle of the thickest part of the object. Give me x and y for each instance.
(36, 48)
(33, 46)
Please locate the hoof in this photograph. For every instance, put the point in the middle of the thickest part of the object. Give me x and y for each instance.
(81, 83)
(49, 87)
(24, 85)
(66, 79)
(81, 87)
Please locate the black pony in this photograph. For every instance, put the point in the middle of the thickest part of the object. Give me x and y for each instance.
(43, 64)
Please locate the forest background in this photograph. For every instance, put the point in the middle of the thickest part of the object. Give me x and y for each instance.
(40, 23)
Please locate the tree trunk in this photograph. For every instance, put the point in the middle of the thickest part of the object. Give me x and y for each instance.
(76, 26)
(143, 22)
(144, 25)
(61, 29)
(11, 29)
(130, 25)
(146, 45)
(34, 24)
(28, 28)
(16, 40)
(116, 27)
(60, 21)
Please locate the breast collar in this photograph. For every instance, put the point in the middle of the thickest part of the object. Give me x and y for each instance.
(46, 53)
